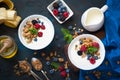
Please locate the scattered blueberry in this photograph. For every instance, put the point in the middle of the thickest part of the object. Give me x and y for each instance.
(34, 22)
(79, 53)
(70, 27)
(69, 78)
(55, 59)
(51, 71)
(78, 31)
(67, 70)
(59, 9)
(48, 63)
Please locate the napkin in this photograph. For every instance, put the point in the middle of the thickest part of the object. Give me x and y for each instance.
(110, 68)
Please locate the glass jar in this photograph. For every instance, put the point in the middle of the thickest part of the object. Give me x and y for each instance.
(8, 47)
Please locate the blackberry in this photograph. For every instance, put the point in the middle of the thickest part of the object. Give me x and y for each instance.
(34, 22)
(79, 53)
(56, 5)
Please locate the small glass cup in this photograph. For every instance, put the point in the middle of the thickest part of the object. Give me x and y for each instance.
(10, 50)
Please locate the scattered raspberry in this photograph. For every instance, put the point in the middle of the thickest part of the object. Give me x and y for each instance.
(63, 74)
(65, 14)
(55, 12)
(37, 26)
(61, 68)
(83, 48)
(40, 34)
(95, 44)
(92, 60)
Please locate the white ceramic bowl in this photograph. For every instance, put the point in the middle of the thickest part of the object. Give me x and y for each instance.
(42, 42)
(83, 63)
(50, 7)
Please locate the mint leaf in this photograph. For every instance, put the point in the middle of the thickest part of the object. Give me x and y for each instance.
(33, 31)
(67, 36)
(91, 50)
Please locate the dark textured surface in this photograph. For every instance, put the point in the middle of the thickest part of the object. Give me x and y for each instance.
(28, 7)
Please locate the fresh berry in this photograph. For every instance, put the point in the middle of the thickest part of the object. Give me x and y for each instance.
(55, 5)
(63, 74)
(59, 9)
(81, 42)
(67, 70)
(48, 63)
(40, 34)
(62, 18)
(70, 27)
(92, 60)
(95, 44)
(96, 57)
(37, 26)
(79, 53)
(55, 59)
(83, 48)
(60, 3)
(34, 22)
(61, 68)
(43, 27)
(35, 39)
(55, 12)
(65, 14)
(51, 71)
(88, 57)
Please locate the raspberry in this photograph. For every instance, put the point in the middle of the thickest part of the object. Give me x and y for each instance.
(43, 27)
(92, 60)
(63, 73)
(40, 34)
(95, 44)
(55, 12)
(83, 48)
(61, 68)
(37, 26)
(65, 14)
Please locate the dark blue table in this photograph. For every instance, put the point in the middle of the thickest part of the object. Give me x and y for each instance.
(25, 8)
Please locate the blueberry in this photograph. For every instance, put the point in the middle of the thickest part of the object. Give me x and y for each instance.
(59, 9)
(67, 70)
(51, 71)
(81, 42)
(79, 53)
(69, 78)
(55, 59)
(88, 57)
(78, 31)
(70, 27)
(35, 39)
(48, 63)
(34, 22)
(96, 57)
(62, 18)
(60, 3)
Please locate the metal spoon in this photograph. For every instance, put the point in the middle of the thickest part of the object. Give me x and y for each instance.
(29, 69)
(37, 64)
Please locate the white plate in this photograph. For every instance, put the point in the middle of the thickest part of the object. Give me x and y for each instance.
(50, 7)
(83, 63)
(42, 42)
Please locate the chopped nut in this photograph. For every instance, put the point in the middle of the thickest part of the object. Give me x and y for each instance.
(61, 59)
(35, 53)
(48, 58)
(51, 54)
(109, 74)
(42, 54)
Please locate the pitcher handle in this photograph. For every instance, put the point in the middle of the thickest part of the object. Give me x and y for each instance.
(104, 8)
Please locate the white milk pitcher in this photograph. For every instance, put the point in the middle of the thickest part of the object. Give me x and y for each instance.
(93, 18)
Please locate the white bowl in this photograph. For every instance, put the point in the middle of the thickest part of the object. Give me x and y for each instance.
(83, 63)
(50, 7)
(42, 42)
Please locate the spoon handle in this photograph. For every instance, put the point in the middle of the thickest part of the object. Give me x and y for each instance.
(45, 75)
(35, 75)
